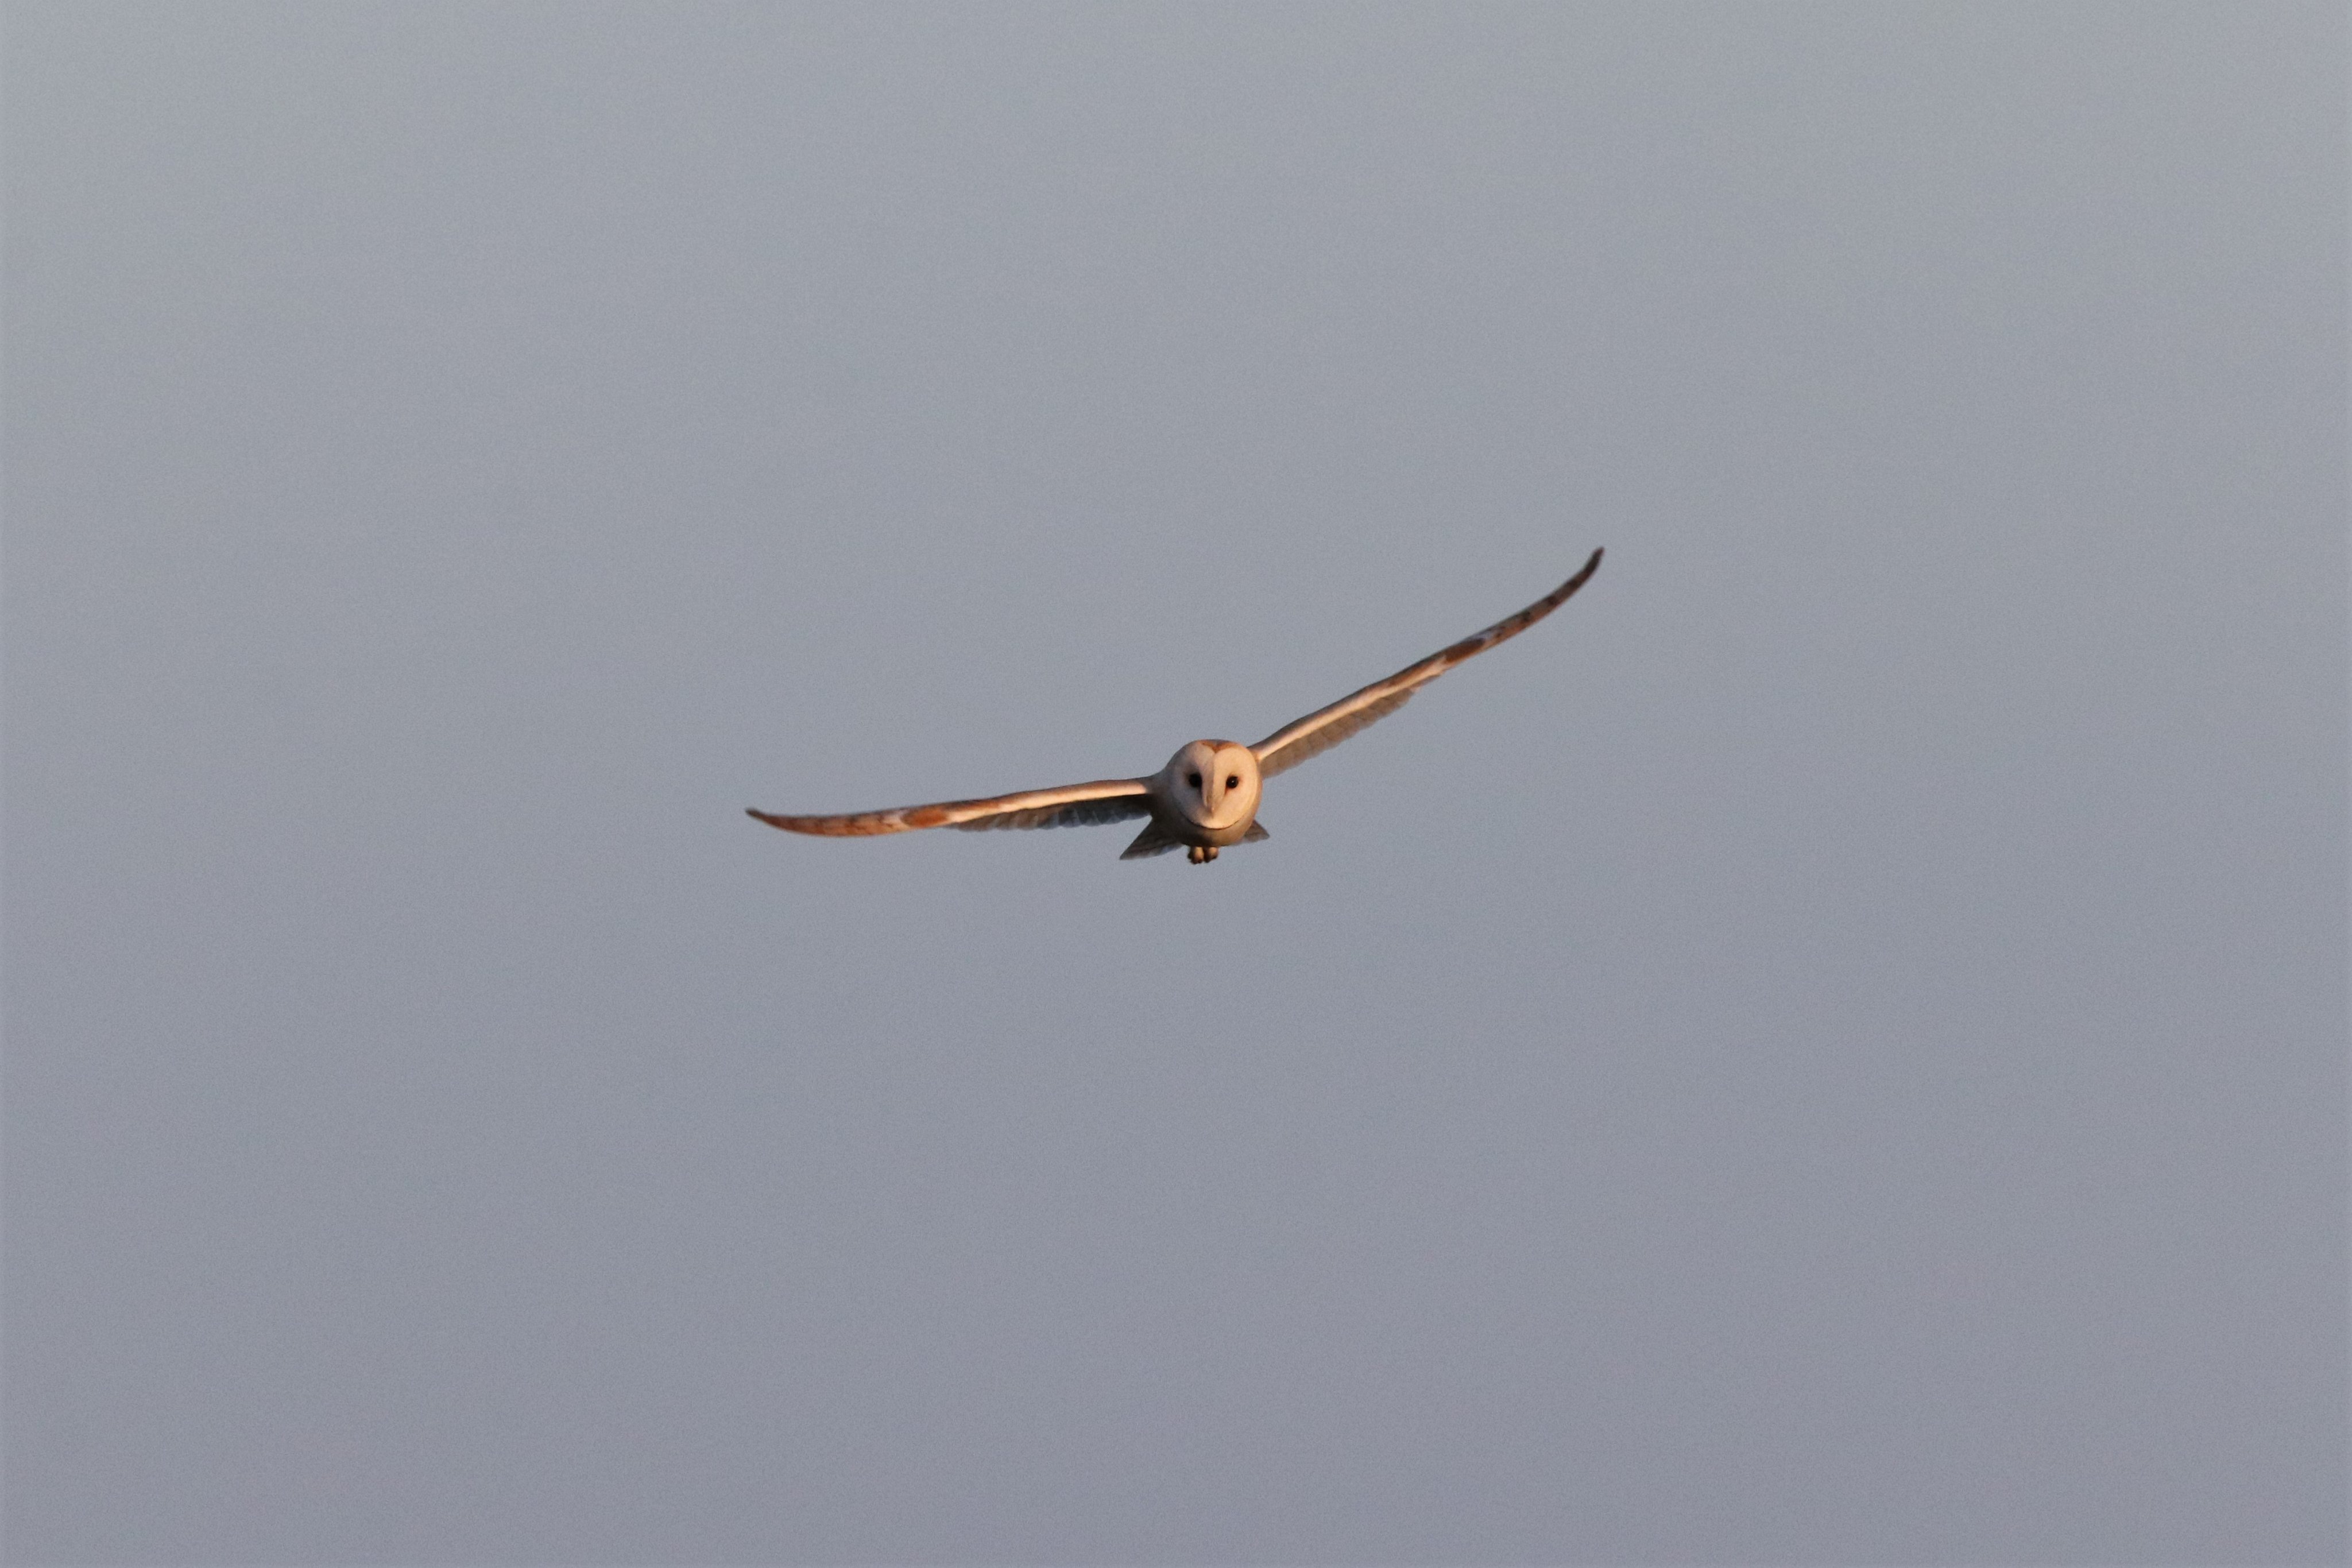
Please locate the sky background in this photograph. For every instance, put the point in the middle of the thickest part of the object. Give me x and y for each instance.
(1830, 1049)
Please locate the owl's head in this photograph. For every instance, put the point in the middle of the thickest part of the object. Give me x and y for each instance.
(1213, 783)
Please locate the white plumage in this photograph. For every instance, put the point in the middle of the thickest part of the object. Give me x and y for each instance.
(1206, 799)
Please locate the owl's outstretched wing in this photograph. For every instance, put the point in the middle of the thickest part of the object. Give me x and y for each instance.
(1326, 728)
(1071, 806)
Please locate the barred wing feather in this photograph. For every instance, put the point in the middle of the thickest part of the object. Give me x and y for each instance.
(1071, 806)
(1326, 728)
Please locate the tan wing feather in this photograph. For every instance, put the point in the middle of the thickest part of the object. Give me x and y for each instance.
(1326, 728)
(1072, 805)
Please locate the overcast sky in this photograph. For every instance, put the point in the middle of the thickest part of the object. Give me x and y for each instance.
(1830, 1049)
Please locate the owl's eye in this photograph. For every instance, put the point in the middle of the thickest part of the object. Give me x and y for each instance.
(1193, 779)
(1234, 782)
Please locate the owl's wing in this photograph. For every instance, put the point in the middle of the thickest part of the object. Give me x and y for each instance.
(1071, 806)
(1326, 728)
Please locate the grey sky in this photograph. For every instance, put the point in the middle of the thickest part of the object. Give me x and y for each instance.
(1832, 1049)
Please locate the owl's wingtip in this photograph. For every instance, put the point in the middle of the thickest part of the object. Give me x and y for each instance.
(1584, 575)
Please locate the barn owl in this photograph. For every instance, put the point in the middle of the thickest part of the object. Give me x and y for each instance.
(1206, 799)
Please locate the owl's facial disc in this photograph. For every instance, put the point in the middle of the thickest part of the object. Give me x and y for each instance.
(1215, 783)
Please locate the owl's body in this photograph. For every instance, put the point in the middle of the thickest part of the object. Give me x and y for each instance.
(1206, 799)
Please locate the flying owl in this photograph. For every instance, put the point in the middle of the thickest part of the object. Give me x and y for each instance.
(1206, 799)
